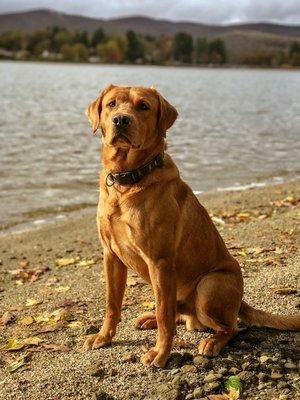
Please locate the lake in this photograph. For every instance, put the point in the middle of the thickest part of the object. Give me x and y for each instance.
(236, 129)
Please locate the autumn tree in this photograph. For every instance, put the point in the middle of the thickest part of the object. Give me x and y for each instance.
(135, 47)
(183, 47)
(294, 54)
(98, 37)
(217, 52)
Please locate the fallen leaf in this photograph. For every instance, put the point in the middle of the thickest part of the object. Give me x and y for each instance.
(75, 324)
(86, 263)
(232, 395)
(27, 321)
(56, 347)
(282, 290)
(33, 302)
(62, 289)
(18, 344)
(64, 262)
(243, 216)
(7, 318)
(180, 344)
(23, 264)
(19, 363)
(148, 305)
(51, 327)
(234, 382)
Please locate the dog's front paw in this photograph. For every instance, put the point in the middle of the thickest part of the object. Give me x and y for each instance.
(155, 358)
(96, 341)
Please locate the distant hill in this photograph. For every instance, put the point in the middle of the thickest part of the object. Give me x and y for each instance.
(39, 19)
(240, 39)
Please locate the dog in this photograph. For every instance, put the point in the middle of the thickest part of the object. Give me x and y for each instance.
(150, 221)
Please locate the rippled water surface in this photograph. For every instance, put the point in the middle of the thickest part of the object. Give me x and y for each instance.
(235, 128)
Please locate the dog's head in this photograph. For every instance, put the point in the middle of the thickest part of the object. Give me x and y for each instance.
(131, 117)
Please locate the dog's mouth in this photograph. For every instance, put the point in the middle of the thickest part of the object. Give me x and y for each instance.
(120, 139)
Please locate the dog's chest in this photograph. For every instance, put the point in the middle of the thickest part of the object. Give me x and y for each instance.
(121, 231)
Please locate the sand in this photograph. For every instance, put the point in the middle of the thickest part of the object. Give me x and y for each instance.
(260, 227)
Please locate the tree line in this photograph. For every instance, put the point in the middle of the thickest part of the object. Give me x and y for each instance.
(59, 44)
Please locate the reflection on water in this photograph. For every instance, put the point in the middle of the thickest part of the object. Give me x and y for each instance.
(235, 127)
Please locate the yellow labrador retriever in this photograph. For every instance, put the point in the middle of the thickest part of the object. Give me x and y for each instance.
(150, 221)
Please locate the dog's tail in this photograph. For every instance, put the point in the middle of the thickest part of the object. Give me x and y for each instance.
(252, 317)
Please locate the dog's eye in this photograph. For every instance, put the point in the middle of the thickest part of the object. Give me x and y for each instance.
(143, 106)
(112, 103)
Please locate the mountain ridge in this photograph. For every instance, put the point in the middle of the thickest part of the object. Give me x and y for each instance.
(29, 21)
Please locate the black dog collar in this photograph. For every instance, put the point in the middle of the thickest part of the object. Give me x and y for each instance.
(136, 175)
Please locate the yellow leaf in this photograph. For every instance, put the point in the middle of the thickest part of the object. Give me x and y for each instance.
(27, 321)
(42, 318)
(242, 253)
(18, 344)
(289, 199)
(62, 289)
(33, 302)
(64, 262)
(86, 263)
(75, 324)
(243, 216)
(148, 305)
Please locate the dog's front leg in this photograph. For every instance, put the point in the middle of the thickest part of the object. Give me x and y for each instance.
(115, 280)
(164, 286)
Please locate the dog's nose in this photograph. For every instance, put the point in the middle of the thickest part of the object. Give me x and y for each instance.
(121, 120)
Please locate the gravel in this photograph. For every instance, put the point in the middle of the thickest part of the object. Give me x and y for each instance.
(266, 361)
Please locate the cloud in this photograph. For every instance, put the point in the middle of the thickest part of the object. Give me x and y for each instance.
(206, 11)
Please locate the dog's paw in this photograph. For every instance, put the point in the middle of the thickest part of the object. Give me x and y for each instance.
(96, 341)
(155, 358)
(145, 321)
(210, 347)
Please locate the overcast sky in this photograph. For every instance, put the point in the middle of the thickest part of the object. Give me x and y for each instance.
(207, 11)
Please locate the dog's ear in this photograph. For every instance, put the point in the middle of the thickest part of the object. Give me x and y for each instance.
(167, 115)
(93, 111)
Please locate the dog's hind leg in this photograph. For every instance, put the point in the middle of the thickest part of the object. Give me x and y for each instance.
(217, 305)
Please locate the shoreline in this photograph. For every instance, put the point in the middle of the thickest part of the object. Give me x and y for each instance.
(60, 305)
(46, 220)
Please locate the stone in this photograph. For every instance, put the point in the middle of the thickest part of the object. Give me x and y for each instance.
(246, 376)
(234, 370)
(96, 371)
(175, 361)
(212, 377)
(198, 393)
(222, 371)
(188, 368)
(281, 385)
(211, 386)
(290, 365)
(262, 376)
(128, 357)
(263, 359)
(245, 365)
(276, 375)
(202, 362)
(168, 392)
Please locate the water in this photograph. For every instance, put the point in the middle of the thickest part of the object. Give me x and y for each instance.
(236, 128)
